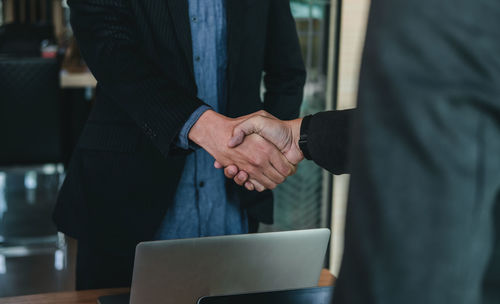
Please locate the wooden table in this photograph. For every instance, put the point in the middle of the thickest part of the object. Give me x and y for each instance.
(90, 296)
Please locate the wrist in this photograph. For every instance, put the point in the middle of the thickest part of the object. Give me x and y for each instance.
(200, 131)
(295, 128)
(211, 131)
(304, 137)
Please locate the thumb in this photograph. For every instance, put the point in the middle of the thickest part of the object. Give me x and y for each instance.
(249, 126)
(237, 139)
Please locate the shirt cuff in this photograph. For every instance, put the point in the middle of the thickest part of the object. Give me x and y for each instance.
(183, 139)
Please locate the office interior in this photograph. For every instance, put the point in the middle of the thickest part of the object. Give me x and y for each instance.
(47, 92)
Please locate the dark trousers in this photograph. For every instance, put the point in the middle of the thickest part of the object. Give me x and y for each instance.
(101, 268)
(423, 219)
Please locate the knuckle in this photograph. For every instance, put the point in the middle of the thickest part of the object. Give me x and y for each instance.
(252, 171)
(252, 160)
(256, 160)
(284, 170)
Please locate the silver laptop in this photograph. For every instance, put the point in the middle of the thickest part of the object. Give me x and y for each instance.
(182, 271)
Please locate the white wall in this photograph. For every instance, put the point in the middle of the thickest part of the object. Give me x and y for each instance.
(353, 27)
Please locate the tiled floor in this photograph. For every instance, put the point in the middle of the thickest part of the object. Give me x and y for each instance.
(33, 258)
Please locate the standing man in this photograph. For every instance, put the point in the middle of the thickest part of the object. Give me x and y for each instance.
(423, 219)
(142, 169)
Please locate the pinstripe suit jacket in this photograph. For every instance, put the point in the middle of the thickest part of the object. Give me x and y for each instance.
(126, 168)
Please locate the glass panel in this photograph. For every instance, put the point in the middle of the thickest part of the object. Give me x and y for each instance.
(1, 22)
(300, 201)
(29, 241)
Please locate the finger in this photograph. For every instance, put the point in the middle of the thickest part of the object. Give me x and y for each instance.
(273, 176)
(259, 152)
(231, 171)
(277, 167)
(257, 185)
(237, 139)
(241, 178)
(281, 164)
(249, 186)
(258, 113)
(263, 180)
(218, 165)
(249, 126)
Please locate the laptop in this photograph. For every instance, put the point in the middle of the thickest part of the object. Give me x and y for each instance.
(316, 295)
(183, 271)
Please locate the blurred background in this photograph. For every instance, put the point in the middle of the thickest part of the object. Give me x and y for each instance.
(46, 93)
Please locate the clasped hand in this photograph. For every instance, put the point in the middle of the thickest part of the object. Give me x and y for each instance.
(258, 151)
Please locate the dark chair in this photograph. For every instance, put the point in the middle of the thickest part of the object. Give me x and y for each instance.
(30, 115)
(24, 40)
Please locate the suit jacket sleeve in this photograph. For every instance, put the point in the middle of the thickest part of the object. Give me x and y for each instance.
(110, 45)
(328, 140)
(284, 68)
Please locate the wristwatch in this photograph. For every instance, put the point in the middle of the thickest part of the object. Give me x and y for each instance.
(304, 129)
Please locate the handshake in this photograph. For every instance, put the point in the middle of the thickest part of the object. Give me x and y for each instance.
(258, 151)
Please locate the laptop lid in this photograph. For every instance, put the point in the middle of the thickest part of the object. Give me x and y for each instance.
(182, 271)
(317, 295)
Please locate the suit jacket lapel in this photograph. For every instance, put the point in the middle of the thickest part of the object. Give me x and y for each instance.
(179, 11)
(234, 15)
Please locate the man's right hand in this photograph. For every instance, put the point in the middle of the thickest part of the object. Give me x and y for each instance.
(263, 162)
(283, 134)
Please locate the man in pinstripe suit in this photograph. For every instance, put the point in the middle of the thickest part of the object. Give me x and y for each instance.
(171, 74)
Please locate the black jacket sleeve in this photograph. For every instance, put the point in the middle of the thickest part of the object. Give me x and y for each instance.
(284, 69)
(328, 139)
(109, 43)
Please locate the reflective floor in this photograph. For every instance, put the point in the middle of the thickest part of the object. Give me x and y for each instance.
(33, 257)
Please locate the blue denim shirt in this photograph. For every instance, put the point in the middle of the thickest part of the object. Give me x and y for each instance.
(202, 206)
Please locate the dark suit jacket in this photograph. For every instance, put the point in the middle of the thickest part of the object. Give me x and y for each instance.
(125, 170)
(423, 217)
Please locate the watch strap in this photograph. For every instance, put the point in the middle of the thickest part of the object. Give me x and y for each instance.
(304, 130)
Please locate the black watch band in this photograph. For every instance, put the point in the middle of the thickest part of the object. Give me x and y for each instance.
(304, 129)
